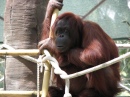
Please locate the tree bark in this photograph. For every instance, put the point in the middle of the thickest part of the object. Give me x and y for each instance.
(22, 27)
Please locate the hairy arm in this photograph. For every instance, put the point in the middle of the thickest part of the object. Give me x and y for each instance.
(97, 47)
(52, 4)
(85, 58)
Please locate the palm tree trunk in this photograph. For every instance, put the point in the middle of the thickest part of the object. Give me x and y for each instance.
(22, 26)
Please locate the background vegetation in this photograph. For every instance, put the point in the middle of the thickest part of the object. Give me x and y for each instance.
(125, 67)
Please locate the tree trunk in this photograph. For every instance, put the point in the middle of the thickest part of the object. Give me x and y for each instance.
(22, 26)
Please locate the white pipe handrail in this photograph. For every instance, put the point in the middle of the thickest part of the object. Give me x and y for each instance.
(123, 45)
(124, 87)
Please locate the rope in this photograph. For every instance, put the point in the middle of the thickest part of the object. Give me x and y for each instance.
(24, 57)
(38, 78)
(57, 70)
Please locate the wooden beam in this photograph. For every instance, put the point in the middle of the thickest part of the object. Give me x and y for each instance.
(18, 93)
(31, 52)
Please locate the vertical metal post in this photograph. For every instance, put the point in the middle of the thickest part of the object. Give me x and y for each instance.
(46, 78)
(47, 71)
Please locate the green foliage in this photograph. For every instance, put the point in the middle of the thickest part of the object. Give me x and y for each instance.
(125, 67)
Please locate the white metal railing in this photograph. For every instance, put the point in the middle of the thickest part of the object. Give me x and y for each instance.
(123, 46)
